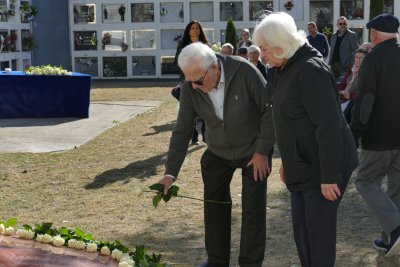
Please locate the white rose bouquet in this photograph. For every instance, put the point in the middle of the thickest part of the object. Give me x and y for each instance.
(47, 70)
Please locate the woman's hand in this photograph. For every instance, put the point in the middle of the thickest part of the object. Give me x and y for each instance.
(330, 191)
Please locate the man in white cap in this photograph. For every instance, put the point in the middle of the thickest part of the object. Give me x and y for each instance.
(376, 120)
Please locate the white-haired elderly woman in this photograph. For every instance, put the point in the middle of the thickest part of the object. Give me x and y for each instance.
(253, 53)
(317, 149)
(227, 49)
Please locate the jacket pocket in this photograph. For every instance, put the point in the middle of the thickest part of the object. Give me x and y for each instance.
(302, 169)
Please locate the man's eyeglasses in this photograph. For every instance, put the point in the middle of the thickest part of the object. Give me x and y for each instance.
(342, 23)
(201, 80)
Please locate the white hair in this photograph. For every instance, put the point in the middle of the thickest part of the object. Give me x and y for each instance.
(198, 53)
(279, 30)
(227, 45)
(253, 48)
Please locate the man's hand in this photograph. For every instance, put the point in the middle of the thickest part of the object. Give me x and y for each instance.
(260, 166)
(167, 182)
(330, 191)
(282, 174)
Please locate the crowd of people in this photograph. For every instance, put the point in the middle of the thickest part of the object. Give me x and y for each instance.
(319, 102)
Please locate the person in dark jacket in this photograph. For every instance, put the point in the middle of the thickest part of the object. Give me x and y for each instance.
(317, 39)
(316, 145)
(230, 94)
(193, 33)
(343, 44)
(253, 53)
(376, 120)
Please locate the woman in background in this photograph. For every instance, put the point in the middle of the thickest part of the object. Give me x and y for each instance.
(193, 33)
(347, 87)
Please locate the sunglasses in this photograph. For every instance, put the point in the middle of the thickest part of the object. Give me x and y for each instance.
(342, 23)
(201, 80)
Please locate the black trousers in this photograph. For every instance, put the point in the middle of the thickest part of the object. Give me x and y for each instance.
(314, 226)
(217, 175)
(195, 136)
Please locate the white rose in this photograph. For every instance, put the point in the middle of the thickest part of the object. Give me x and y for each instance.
(20, 233)
(126, 258)
(116, 254)
(138, 190)
(91, 247)
(125, 264)
(39, 238)
(2, 228)
(9, 231)
(29, 234)
(58, 241)
(80, 245)
(105, 251)
(47, 239)
(72, 243)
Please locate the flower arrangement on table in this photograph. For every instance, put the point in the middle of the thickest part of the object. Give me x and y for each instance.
(46, 70)
(78, 239)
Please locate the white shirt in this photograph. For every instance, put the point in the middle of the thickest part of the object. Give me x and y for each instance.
(217, 95)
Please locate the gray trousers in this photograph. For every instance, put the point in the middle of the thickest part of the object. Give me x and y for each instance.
(385, 206)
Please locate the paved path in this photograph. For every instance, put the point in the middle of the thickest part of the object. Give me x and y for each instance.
(56, 134)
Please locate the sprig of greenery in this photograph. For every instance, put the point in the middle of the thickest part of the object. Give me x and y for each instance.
(10, 222)
(158, 189)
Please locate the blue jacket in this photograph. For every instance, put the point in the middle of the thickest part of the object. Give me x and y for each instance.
(320, 43)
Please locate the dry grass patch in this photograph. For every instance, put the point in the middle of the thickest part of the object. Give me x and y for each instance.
(90, 187)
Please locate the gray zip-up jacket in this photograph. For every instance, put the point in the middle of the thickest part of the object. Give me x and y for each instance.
(247, 125)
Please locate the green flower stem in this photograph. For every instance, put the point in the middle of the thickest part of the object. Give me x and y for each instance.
(204, 200)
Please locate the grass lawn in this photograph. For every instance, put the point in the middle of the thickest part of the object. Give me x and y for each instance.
(91, 188)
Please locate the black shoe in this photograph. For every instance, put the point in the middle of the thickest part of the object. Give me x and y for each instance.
(394, 245)
(379, 245)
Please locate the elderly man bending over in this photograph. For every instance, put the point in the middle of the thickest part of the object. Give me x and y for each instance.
(231, 97)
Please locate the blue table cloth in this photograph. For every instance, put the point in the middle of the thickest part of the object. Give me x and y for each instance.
(42, 96)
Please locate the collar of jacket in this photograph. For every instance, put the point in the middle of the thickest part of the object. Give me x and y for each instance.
(231, 65)
(385, 44)
(304, 51)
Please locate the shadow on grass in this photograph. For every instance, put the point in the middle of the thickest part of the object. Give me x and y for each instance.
(181, 245)
(161, 128)
(141, 169)
(177, 249)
